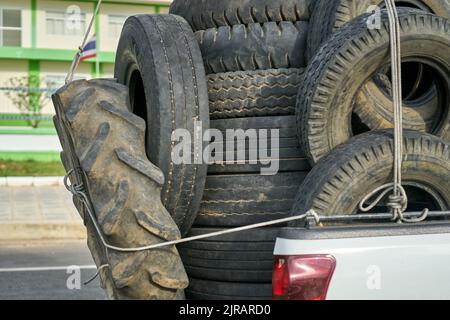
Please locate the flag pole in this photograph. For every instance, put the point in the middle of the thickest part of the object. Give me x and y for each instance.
(97, 60)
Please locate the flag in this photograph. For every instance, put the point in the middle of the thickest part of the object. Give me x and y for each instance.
(90, 49)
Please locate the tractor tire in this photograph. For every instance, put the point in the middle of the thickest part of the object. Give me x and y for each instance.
(253, 93)
(254, 46)
(238, 200)
(214, 290)
(330, 15)
(326, 98)
(338, 183)
(108, 144)
(205, 14)
(158, 58)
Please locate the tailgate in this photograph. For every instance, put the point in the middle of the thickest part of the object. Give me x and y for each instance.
(379, 262)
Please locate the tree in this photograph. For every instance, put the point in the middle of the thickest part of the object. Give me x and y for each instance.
(28, 97)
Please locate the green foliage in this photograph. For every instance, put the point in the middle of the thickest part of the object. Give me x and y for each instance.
(27, 97)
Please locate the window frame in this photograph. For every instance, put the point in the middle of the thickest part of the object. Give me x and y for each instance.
(63, 19)
(3, 28)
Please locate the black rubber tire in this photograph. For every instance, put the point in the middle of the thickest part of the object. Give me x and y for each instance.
(254, 46)
(330, 15)
(108, 143)
(335, 75)
(237, 200)
(253, 93)
(205, 14)
(373, 105)
(343, 178)
(248, 260)
(162, 52)
(214, 290)
(291, 157)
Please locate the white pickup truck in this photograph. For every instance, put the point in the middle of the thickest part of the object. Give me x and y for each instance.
(377, 261)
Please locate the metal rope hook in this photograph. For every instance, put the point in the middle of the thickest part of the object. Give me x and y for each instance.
(76, 59)
(398, 201)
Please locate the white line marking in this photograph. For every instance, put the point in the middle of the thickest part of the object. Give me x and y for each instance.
(33, 269)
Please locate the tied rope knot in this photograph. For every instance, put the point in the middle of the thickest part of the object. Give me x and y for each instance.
(397, 202)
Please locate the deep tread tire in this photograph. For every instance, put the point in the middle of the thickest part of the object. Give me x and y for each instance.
(205, 14)
(325, 100)
(163, 52)
(248, 258)
(253, 93)
(330, 15)
(343, 178)
(124, 188)
(254, 46)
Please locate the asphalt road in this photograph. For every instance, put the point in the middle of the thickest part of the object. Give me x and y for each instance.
(48, 271)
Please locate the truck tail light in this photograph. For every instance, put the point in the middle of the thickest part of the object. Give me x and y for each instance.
(302, 277)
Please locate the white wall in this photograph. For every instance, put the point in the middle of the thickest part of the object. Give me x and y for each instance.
(45, 40)
(108, 43)
(10, 69)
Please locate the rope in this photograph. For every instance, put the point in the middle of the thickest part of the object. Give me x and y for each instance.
(78, 191)
(398, 200)
(76, 59)
(103, 266)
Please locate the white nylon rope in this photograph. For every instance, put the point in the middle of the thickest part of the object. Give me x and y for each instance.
(398, 200)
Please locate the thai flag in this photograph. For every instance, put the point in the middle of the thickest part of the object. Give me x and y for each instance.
(89, 50)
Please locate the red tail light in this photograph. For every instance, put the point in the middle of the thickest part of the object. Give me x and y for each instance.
(302, 277)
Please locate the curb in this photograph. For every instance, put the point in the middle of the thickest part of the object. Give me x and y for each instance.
(42, 231)
(31, 181)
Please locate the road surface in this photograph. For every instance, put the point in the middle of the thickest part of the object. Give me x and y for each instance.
(43, 271)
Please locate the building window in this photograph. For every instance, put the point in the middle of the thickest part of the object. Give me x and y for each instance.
(10, 27)
(64, 24)
(115, 25)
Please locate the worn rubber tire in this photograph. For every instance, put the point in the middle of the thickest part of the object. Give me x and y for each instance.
(291, 157)
(214, 290)
(247, 259)
(162, 51)
(330, 15)
(343, 178)
(254, 46)
(205, 14)
(374, 107)
(253, 93)
(334, 77)
(238, 200)
(108, 142)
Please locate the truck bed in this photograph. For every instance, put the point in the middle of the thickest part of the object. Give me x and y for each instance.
(388, 261)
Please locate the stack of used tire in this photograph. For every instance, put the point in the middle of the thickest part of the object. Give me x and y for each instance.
(333, 114)
(345, 109)
(254, 56)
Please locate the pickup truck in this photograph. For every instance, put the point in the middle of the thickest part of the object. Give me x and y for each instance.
(363, 262)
